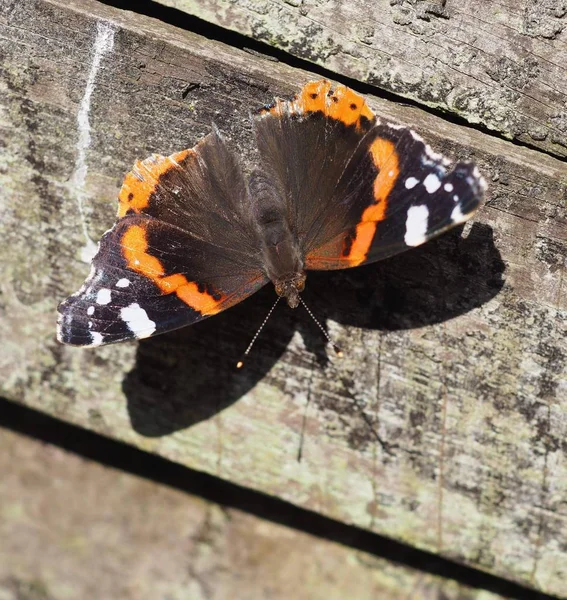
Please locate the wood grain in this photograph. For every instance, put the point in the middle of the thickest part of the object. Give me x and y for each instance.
(445, 424)
(499, 64)
(151, 541)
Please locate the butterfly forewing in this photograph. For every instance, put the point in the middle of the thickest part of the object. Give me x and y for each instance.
(399, 194)
(182, 250)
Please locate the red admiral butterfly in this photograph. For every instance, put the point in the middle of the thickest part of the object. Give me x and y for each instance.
(335, 188)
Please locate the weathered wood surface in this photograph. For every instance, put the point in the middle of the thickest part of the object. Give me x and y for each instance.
(501, 64)
(64, 521)
(445, 424)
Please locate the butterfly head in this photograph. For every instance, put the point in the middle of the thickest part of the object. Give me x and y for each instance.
(290, 287)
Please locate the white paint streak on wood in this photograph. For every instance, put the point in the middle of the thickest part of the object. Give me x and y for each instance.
(103, 44)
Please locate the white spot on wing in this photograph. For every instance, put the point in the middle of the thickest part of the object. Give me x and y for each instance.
(432, 183)
(457, 215)
(435, 156)
(137, 320)
(123, 283)
(416, 225)
(395, 126)
(104, 296)
(90, 310)
(416, 136)
(448, 187)
(411, 182)
(97, 338)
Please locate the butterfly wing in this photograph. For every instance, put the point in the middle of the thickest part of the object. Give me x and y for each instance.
(305, 144)
(358, 190)
(400, 194)
(183, 249)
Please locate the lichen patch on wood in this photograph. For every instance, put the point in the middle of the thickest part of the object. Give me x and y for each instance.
(443, 425)
(501, 65)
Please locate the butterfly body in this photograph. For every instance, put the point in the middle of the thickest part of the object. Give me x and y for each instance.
(335, 188)
(281, 254)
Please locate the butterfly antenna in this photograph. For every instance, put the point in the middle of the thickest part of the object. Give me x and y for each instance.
(240, 363)
(337, 350)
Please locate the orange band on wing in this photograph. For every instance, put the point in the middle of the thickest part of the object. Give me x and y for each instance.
(385, 159)
(340, 103)
(140, 183)
(312, 97)
(135, 251)
(351, 249)
(348, 106)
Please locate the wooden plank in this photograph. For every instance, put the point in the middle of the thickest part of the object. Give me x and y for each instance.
(119, 536)
(501, 64)
(443, 426)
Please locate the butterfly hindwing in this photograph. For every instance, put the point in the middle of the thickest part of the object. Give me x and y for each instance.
(183, 249)
(305, 144)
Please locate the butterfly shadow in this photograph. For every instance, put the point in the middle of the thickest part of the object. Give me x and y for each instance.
(189, 375)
